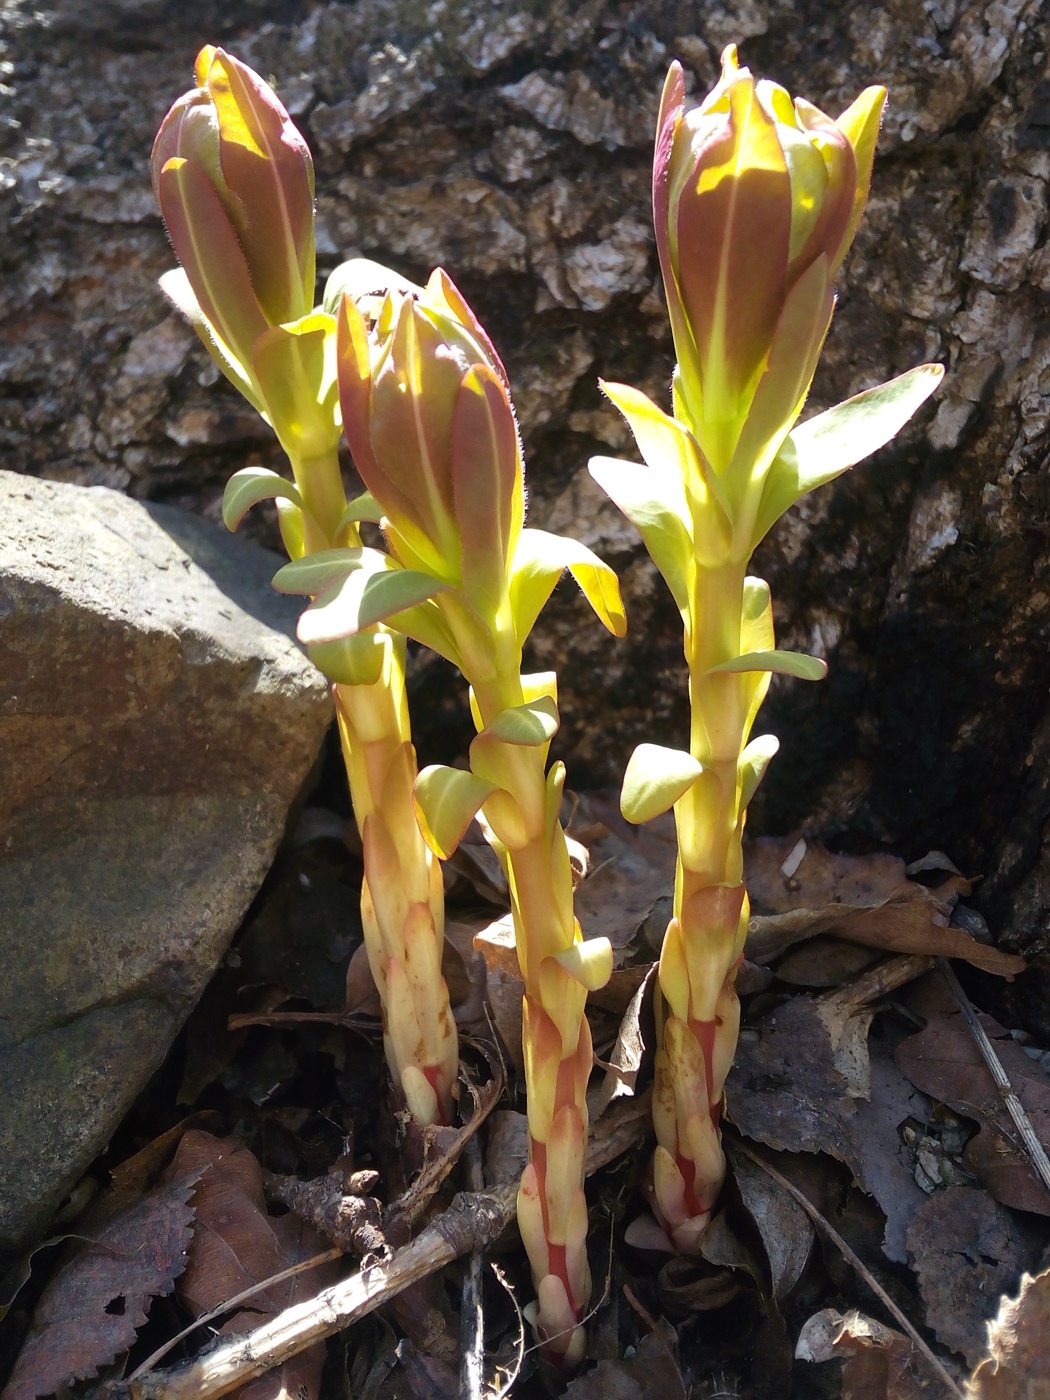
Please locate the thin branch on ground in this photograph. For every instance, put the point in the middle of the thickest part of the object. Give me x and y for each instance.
(1012, 1104)
(854, 1260)
(472, 1314)
(326, 1258)
(472, 1222)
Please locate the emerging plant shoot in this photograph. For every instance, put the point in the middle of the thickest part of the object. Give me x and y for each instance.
(427, 411)
(235, 184)
(756, 200)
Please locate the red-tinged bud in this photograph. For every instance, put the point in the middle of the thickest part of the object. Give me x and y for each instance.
(750, 190)
(235, 184)
(428, 416)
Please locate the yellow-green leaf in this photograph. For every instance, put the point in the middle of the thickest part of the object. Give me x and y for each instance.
(654, 503)
(364, 598)
(251, 485)
(313, 573)
(528, 725)
(354, 660)
(655, 779)
(753, 763)
(782, 663)
(824, 447)
(446, 802)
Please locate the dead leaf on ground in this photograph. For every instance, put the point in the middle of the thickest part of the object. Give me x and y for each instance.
(236, 1245)
(785, 1228)
(966, 1251)
(880, 1362)
(864, 899)
(1016, 1364)
(631, 868)
(944, 1062)
(650, 1374)
(95, 1302)
(629, 1050)
(824, 961)
(792, 1088)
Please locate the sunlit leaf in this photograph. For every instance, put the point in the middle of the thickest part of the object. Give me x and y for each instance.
(540, 559)
(364, 598)
(529, 725)
(251, 485)
(782, 663)
(824, 447)
(446, 802)
(654, 503)
(316, 572)
(753, 763)
(655, 779)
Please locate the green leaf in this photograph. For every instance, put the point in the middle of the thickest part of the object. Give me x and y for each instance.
(248, 487)
(753, 763)
(824, 447)
(539, 561)
(363, 507)
(446, 802)
(654, 503)
(362, 278)
(313, 573)
(654, 781)
(364, 598)
(589, 962)
(782, 663)
(667, 444)
(351, 660)
(425, 624)
(528, 725)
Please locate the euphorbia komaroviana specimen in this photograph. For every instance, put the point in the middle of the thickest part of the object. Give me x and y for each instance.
(427, 413)
(756, 200)
(235, 184)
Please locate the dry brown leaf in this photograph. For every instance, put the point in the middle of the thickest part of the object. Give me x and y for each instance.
(626, 1058)
(95, 1302)
(651, 1374)
(1016, 1365)
(824, 961)
(880, 1362)
(944, 1062)
(236, 1245)
(786, 1230)
(966, 1250)
(787, 1090)
(864, 899)
(631, 868)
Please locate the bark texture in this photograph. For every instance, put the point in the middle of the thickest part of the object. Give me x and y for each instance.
(511, 143)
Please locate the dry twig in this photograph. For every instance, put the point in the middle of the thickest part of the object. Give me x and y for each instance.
(472, 1222)
(472, 1313)
(1011, 1102)
(855, 1262)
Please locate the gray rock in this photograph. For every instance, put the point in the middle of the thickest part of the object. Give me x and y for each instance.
(511, 142)
(156, 721)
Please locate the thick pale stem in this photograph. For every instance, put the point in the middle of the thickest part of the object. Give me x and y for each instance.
(402, 900)
(704, 941)
(552, 1209)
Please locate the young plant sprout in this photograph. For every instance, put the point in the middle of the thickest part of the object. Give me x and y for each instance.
(427, 412)
(235, 184)
(756, 200)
